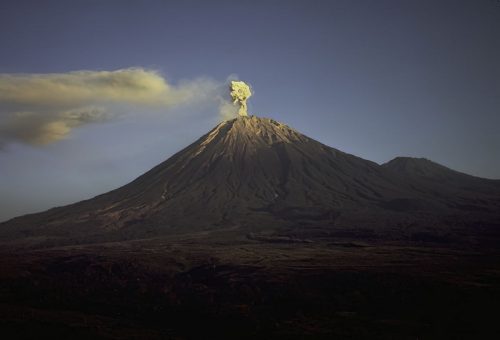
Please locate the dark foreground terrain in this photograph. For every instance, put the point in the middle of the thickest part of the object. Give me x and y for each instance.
(212, 285)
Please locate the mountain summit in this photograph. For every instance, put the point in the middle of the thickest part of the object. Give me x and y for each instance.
(246, 172)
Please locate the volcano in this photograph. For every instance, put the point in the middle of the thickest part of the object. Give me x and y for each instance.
(252, 173)
(257, 231)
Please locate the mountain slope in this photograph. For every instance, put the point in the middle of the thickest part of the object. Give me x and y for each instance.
(457, 189)
(247, 171)
(427, 169)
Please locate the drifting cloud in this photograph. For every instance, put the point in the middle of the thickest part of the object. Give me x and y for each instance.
(227, 109)
(39, 109)
(41, 128)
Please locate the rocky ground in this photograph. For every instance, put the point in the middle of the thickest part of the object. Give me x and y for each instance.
(276, 285)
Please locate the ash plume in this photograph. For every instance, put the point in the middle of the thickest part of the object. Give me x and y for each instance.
(240, 92)
(38, 109)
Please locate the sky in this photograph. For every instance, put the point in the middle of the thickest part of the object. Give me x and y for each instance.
(95, 93)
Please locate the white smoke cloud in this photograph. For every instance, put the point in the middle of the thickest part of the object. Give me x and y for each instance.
(228, 109)
(39, 109)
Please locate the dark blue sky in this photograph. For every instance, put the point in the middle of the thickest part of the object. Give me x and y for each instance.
(378, 79)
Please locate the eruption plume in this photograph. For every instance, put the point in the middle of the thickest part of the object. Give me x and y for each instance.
(240, 92)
